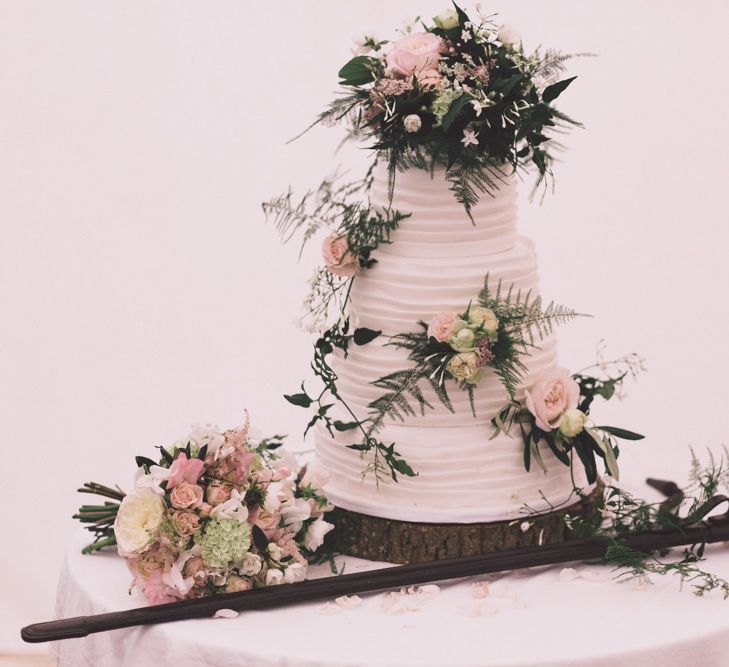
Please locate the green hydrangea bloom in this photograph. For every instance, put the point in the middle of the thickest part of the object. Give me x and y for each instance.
(224, 541)
(443, 102)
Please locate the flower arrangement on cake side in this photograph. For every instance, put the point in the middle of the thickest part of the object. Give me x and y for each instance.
(460, 92)
(218, 513)
(556, 411)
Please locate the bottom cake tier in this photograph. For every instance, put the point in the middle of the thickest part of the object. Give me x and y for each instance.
(464, 475)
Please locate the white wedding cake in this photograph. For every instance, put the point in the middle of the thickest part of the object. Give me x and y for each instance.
(436, 261)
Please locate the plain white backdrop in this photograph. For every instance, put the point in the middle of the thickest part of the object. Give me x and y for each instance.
(141, 290)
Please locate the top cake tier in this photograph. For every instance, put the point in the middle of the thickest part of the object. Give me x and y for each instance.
(439, 226)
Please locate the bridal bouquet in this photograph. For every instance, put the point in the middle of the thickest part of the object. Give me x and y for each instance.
(217, 513)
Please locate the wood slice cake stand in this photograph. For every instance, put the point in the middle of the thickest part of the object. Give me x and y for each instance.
(404, 542)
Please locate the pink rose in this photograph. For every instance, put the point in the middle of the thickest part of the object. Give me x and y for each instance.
(430, 78)
(337, 257)
(218, 493)
(441, 326)
(414, 53)
(185, 523)
(554, 392)
(186, 496)
(184, 470)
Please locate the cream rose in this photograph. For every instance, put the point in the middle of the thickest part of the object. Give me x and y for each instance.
(137, 521)
(186, 495)
(337, 257)
(484, 317)
(441, 326)
(463, 340)
(413, 53)
(464, 366)
(447, 20)
(412, 123)
(573, 421)
(553, 394)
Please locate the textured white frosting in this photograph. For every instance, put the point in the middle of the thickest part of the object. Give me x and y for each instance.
(437, 261)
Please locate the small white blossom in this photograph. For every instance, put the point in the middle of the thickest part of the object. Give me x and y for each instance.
(465, 36)
(315, 534)
(469, 138)
(274, 577)
(525, 526)
(508, 35)
(315, 476)
(209, 435)
(294, 512)
(152, 481)
(233, 508)
(362, 45)
(476, 104)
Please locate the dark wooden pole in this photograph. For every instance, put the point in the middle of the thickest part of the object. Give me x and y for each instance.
(714, 529)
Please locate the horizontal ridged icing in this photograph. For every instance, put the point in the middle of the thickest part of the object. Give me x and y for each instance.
(463, 476)
(437, 261)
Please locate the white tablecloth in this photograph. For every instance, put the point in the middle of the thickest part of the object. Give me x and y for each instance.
(527, 619)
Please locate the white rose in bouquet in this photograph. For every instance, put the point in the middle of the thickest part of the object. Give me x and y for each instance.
(137, 521)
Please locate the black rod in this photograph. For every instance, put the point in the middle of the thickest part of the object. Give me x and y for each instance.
(715, 529)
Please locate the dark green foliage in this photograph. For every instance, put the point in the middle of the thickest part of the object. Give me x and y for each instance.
(620, 514)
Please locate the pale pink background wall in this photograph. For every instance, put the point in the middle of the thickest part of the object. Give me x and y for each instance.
(141, 290)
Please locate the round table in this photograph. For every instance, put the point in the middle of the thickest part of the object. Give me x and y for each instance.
(555, 616)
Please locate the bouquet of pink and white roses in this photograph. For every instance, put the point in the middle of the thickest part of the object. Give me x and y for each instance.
(218, 513)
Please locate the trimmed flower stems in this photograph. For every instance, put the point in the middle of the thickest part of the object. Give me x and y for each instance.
(713, 529)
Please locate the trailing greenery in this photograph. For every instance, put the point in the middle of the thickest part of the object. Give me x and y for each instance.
(343, 209)
(480, 105)
(620, 514)
(385, 460)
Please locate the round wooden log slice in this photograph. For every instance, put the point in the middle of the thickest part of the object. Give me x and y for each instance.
(404, 542)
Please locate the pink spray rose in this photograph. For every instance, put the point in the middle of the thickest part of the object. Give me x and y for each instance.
(337, 257)
(414, 53)
(218, 493)
(554, 392)
(185, 523)
(184, 470)
(186, 496)
(441, 326)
